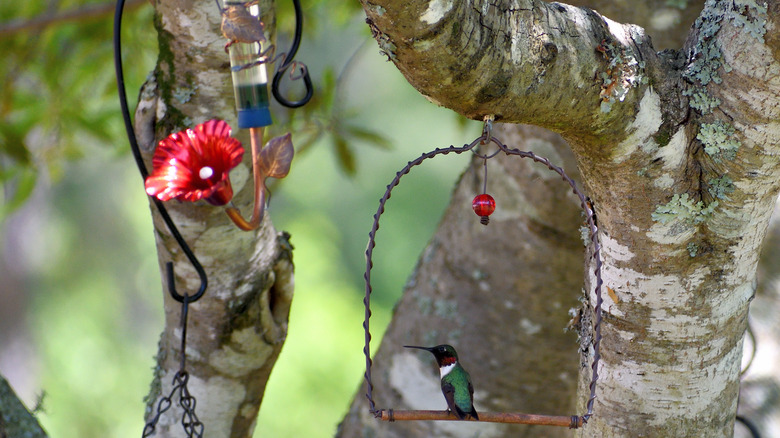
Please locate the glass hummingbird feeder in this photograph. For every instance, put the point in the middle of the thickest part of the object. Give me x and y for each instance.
(247, 63)
(250, 53)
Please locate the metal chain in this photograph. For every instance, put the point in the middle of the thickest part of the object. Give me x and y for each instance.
(487, 138)
(189, 420)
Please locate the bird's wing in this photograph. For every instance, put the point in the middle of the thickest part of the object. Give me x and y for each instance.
(473, 412)
(449, 395)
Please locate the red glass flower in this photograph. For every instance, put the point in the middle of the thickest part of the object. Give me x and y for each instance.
(193, 164)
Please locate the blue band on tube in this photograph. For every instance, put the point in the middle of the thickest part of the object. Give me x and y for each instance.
(254, 118)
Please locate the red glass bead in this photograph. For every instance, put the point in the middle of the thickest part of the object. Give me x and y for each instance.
(484, 205)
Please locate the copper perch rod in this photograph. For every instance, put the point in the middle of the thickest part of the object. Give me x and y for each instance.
(572, 422)
(256, 138)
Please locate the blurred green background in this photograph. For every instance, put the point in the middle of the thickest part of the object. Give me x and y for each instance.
(80, 293)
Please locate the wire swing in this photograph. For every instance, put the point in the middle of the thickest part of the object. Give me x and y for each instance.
(573, 421)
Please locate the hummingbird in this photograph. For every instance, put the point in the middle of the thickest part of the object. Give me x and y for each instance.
(455, 381)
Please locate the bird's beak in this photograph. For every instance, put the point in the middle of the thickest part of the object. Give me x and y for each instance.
(419, 348)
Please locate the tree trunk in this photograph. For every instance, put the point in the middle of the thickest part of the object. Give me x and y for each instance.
(237, 329)
(677, 152)
(15, 419)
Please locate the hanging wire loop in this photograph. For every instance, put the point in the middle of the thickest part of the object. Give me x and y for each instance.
(190, 423)
(288, 61)
(142, 167)
(574, 421)
(487, 129)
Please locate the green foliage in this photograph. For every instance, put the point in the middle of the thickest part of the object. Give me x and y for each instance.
(683, 208)
(58, 92)
(680, 4)
(18, 183)
(94, 297)
(328, 215)
(339, 14)
(327, 117)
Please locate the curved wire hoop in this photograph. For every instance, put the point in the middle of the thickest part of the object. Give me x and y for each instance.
(569, 421)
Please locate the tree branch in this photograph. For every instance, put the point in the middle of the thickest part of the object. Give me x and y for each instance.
(551, 65)
(87, 12)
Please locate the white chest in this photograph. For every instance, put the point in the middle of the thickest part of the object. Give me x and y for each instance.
(444, 370)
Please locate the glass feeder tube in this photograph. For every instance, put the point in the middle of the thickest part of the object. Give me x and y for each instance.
(250, 84)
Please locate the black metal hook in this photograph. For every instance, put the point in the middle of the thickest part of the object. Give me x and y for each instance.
(190, 422)
(749, 425)
(288, 62)
(120, 81)
(172, 283)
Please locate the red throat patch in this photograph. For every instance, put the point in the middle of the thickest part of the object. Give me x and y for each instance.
(448, 361)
